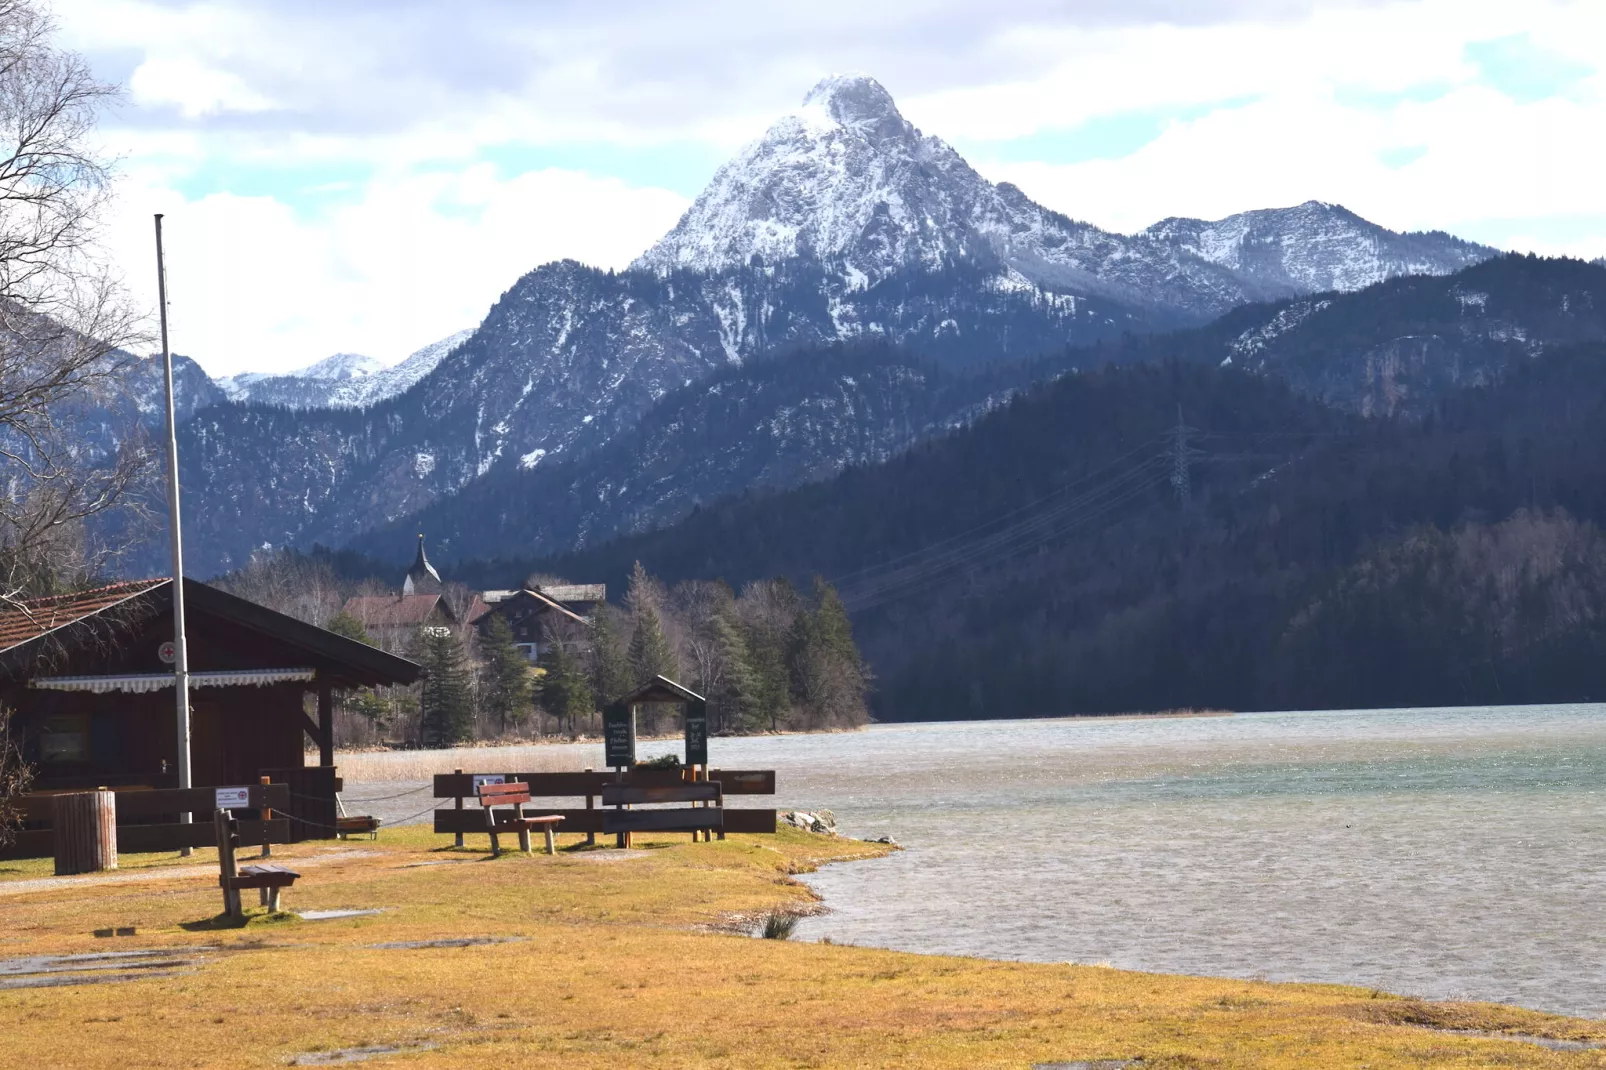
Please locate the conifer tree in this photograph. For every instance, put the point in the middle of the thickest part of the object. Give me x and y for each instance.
(507, 674)
(363, 702)
(611, 675)
(446, 709)
(565, 692)
(650, 655)
(738, 696)
(344, 624)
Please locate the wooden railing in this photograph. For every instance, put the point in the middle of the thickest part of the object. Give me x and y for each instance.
(147, 819)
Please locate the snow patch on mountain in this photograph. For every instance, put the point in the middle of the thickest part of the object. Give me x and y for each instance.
(341, 381)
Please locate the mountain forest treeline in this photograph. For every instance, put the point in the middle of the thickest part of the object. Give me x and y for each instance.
(1045, 560)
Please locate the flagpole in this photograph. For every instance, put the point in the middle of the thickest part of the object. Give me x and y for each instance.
(181, 658)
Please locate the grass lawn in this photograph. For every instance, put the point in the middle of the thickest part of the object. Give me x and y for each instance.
(604, 958)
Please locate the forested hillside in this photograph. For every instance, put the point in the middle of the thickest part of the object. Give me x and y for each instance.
(1042, 561)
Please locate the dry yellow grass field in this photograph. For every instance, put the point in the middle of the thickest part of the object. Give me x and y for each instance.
(604, 958)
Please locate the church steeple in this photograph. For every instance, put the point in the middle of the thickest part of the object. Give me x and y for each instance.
(422, 577)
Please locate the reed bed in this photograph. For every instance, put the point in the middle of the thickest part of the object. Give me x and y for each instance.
(362, 767)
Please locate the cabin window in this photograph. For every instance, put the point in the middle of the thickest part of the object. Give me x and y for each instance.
(532, 651)
(65, 738)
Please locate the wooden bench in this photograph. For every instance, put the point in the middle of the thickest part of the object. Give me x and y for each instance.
(268, 880)
(697, 820)
(357, 825)
(515, 795)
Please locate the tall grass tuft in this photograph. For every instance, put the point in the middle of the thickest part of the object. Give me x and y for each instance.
(778, 925)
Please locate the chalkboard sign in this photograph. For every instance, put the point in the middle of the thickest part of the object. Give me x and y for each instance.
(619, 735)
(696, 733)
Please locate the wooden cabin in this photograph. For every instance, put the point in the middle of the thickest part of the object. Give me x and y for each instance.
(89, 679)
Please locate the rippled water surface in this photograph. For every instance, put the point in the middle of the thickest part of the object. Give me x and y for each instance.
(1454, 853)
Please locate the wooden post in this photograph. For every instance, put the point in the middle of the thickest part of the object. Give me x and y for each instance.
(459, 804)
(326, 725)
(591, 837)
(84, 827)
(266, 815)
(225, 863)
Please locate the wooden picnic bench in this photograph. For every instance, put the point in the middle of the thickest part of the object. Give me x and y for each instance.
(515, 795)
(268, 880)
(705, 819)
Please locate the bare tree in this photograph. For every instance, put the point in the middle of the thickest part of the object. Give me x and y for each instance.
(15, 777)
(63, 317)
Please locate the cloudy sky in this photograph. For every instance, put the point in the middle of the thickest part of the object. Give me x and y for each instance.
(370, 175)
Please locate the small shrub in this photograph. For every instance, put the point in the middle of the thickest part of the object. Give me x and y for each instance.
(663, 761)
(778, 925)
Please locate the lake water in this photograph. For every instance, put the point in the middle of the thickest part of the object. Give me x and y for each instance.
(1452, 853)
(1455, 853)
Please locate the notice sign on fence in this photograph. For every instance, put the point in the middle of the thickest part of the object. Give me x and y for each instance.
(488, 778)
(619, 735)
(233, 798)
(696, 733)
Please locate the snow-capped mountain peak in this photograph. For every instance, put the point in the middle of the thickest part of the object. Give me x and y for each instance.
(340, 367)
(846, 182)
(341, 381)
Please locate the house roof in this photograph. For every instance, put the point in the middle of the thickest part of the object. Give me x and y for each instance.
(540, 600)
(395, 611)
(40, 616)
(71, 621)
(574, 592)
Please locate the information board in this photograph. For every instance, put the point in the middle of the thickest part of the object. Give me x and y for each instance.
(233, 798)
(619, 735)
(488, 778)
(696, 733)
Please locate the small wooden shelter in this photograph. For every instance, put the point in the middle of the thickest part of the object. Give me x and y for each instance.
(88, 677)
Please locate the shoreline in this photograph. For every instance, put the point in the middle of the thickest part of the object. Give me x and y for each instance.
(623, 942)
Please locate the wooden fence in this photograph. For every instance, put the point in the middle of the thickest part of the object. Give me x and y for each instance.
(147, 820)
(460, 787)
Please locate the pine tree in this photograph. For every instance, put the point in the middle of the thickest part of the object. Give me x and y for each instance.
(564, 690)
(507, 674)
(739, 696)
(363, 702)
(446, 709)
(771, 683)
(610, 661)
(827, 675)
(650, 655)
(344, 624)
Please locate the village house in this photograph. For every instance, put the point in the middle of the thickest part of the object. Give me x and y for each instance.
(539, 615)
(393, 621)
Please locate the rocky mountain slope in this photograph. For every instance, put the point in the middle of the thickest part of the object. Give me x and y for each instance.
(842, 222)
(1395, 349)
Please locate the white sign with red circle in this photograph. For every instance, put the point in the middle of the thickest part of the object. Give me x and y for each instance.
(167, 652)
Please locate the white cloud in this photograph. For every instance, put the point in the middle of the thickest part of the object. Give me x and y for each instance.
(254, 285)
(242, 111)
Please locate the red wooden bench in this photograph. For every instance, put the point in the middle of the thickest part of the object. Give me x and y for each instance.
(515, 795)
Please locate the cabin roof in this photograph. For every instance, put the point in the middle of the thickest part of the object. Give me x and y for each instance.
(40, 616)
(26, 632)
(662, 689)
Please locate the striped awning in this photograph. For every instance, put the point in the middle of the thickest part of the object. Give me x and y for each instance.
(142, 683)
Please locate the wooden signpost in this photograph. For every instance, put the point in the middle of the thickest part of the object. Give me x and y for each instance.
(619, 735)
